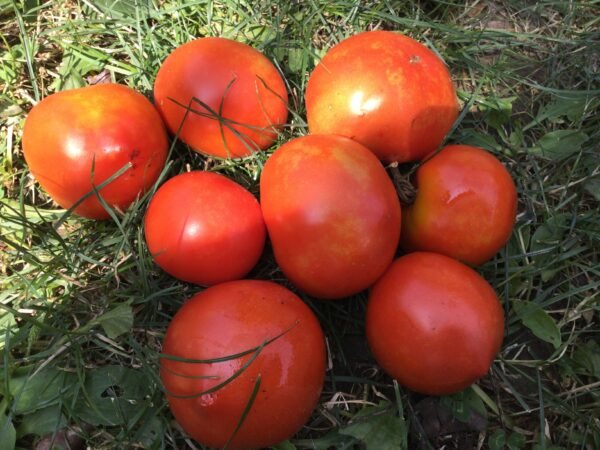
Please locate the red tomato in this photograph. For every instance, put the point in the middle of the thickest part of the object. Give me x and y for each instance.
(203, 228)
(241, 99)
(386, 91)
(74, 140)
(433, 323)
(465, 206)
(229, 319)
(332, 214)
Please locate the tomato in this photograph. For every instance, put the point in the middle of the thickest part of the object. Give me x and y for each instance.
(332, 214)
(229, 319)
(385, 90)
(204, 228)
(433, 323)
(465, 206)
(74, 140)
(237, 97)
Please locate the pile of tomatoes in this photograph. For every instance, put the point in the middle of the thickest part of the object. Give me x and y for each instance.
(244, 353)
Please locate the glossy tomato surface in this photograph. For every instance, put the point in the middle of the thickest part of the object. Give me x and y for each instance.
(229, 319)
(74, 140)
(236, 98)
(433, 323)
(465, 207)
(332, 214)
(386, 91)
(204, 228)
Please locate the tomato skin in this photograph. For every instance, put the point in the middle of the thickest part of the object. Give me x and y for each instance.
(228, 319)
(386, 91)
(204, 228)
(433, 323)
(332, 214)
(226, 76)
(103, 127)
(465, 206)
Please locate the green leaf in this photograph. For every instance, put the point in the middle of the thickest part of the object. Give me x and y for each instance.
(497, 440)
(498, 110)
(470, 136)
(593, 187)
(285, 445)
(538, 321)
(579, 439)
(150, 432)
(72, 70)
(544, 243)
(586, 359)
(7, 323)
(8, 435)
(114, 395)
(549, 233)
(464, 405)
(571, 107)
(515, 441)
(126, 9)
(6, 7)
(254, 34)
(297, 60)
(117, 321)
(43, 421)
(332, 439)
(560, 144)
(517, 138)
(44, 389)
(377, 427)
(9, 109)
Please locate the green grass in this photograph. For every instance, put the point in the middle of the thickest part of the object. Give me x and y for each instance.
(83, 308)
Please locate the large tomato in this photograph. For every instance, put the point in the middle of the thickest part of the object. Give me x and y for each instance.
(465, 205)
(74, 140)
(204, 228)
(332, 214)
(385, 90)
(230, 319)
(235, 96)
(433, 323)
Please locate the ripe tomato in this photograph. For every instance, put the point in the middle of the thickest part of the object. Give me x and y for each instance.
(237, 98)
(203, 228)
(386, 91)
(74, 140)
(433, 323)
(229, 319)
(332, 214)
(465, 206)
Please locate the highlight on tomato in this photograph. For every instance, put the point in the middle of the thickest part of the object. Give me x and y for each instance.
(332, 214)
(221, 97)
(465, 207)
(385, 90)
(105, 137)
(203, 228)
(258, 369)
(433, 323)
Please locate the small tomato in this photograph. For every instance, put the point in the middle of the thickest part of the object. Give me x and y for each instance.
(465, 206)
(204, 228)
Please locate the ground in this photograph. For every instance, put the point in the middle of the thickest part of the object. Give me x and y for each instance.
(83, 309)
